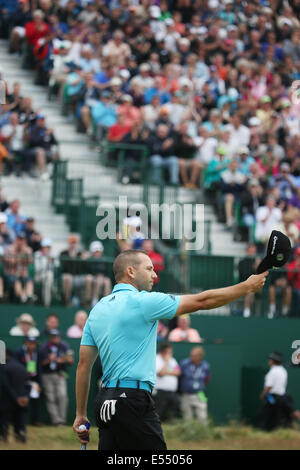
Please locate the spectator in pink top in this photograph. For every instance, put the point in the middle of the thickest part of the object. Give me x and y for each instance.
(76, 330)
(183, 332)
(130, 112)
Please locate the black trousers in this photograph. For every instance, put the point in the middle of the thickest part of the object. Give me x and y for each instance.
(15, 415)
(167, 404)
(272, 416)
(135, 424)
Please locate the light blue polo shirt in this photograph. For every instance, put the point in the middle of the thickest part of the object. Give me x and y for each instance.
(123, 326)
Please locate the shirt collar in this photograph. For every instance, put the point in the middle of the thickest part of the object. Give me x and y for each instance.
(124, 286)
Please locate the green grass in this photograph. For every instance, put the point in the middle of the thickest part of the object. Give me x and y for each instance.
(179, 436)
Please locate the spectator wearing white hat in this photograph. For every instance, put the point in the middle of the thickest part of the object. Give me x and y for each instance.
(76, 330)
(245, 160)
(101, 284)
(25, 326)
(44, 270)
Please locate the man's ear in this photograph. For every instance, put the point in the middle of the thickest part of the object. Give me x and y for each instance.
(131, 272)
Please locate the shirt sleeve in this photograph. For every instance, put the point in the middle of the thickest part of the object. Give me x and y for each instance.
(87, 338)
(156, 305)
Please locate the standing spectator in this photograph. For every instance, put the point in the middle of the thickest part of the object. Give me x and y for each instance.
(33, 238)
(55, 358)
(25, 326)
(13, 138)
(17, 261)
(44, 270)
(183, 332)
(76, 330)
(28, 355)
(167, 373)
(195, 375)
(52, 323)
(14, 398)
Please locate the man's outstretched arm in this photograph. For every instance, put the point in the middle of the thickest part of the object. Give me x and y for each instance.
(87, 357)
(217, 297)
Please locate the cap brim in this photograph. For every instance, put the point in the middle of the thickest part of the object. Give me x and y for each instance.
(265, 265)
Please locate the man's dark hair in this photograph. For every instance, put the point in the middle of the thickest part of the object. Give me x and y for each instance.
(52, 315)
(164, 346)
(124, 259)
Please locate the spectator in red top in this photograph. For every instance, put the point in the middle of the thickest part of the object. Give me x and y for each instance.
(293, 270)
(156, 258)
(117, 131)
(129, 111)
(37, 28)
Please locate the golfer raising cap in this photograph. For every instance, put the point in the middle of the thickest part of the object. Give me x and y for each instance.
(122, 328)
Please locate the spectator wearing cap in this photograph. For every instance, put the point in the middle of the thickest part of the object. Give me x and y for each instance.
(41, 146)
(131, 237)
(17, 261)
(276, 410)
(163, 155)
(25, 326)
(143, 77)
(56, 356)
(101, 283)
(15, 220)
(33, 238)
(76, 330)
(44, 271)
(232, 184)
(29, 356)
(245, 160)
(285, 182)
(219, 163)
(293, 270)
(7, 235)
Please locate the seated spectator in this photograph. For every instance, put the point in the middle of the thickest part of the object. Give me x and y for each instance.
(165, 392)
(104, 114)
(130, 112)
(13, 138)
(293, 270)
(25, 326)
(56, 356)
(76, 330)
(136, 136)
(268, 218)
(36, 29)
(17, 261)
(96, 268)
(44, 270)
(195, 375)
(232, 183)
(117, 131)
(295, 200)
(7, 235)
(52, 323)
(73, 276)
(289, 225)
(33, 238)
(29, 355)
(184, 332)
(15, 220)
(269, 163)
(42, 146)
(162, 148)
(245, 160)
(250, 200)
(150, 112)
(117, 49)
(156, 258)
(285, 182)
(239, 134)
(279, 289)
(89, 97)
(185, 150)
(215, 168)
